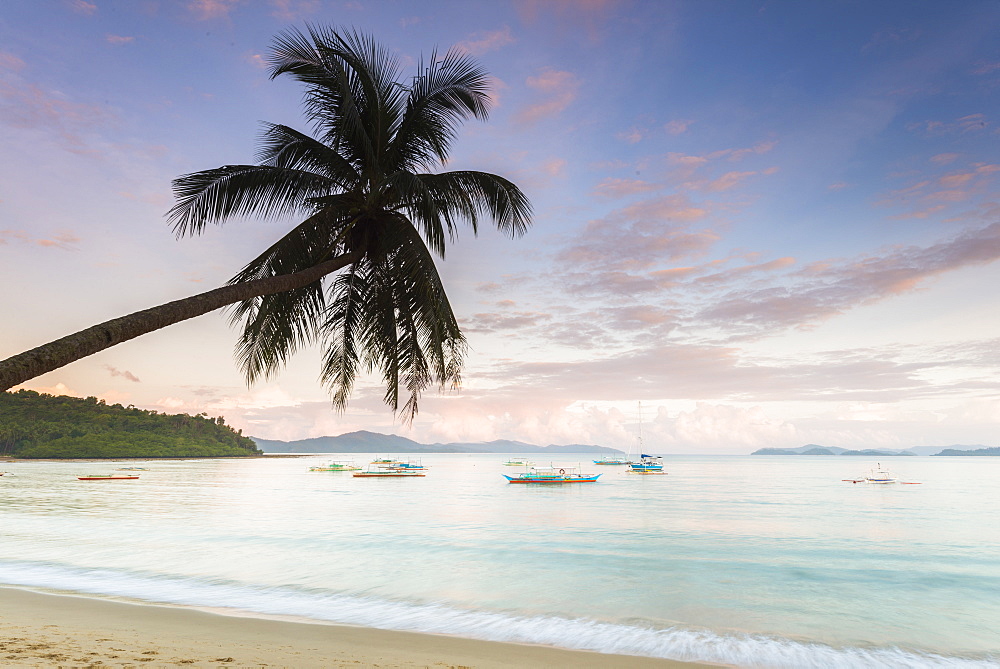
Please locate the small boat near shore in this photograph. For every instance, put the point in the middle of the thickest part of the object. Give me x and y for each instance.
(612, 460)
(552, 475)
(337, 466)
(108, 477)
(518, 462)
(386, 472)
(647, 464)
(880, 476)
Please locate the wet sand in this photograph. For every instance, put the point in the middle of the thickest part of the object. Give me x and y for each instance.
(45, 630)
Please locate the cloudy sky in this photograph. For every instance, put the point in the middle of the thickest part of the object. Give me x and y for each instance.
(770, 222)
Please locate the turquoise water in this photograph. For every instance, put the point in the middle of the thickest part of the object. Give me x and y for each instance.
(751, 561)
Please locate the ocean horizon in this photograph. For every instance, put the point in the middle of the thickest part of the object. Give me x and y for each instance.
(755, 561)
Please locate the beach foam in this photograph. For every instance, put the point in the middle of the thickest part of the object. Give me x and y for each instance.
(676, 643)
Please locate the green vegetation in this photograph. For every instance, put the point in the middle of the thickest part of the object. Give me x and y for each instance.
(34, 425)
(978, 451)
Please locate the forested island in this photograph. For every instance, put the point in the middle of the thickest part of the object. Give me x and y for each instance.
(364, 441)
(978, 451)
(37, 425)
(815, 449)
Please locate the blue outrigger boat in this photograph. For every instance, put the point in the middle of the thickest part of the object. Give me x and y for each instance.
(550, 475)
(612, 460)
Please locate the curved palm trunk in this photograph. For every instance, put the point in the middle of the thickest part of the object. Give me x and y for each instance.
(24, 366)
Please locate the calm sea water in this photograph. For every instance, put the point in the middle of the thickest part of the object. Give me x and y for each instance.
(751, 561)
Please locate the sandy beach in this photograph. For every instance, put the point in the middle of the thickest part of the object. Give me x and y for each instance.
(45, 630)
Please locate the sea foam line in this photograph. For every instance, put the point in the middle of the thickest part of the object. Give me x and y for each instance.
(675, 643)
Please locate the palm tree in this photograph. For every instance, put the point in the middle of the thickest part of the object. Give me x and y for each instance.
(357, 274)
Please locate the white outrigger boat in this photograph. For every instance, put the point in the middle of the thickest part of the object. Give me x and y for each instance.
(337, 466)
(879, 476)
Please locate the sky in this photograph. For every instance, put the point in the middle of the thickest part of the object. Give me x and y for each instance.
(767, 223)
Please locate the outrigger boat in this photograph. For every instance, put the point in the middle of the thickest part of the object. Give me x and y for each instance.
(387, 472)
(409, 466)
(880, 476)
(108, 477)
(648, 464)
(337, 466)
(549, 475)
(132, 469)
(612, 460)
(518, 462)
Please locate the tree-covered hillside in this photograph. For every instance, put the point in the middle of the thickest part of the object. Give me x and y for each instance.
(34, 425)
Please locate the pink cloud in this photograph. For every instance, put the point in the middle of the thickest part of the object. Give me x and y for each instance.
(985, 67)
(9, 61)
(83, 7)
(122, 373)
(640, 236)
(926, 195)
(633, 135)
(554, 167)
(615, 188)
(840, 185)
(559, 90)
(484, 42)
(211, 9)
(591, 15)
(727, 181)
(118, 39)
(944, 158)
(739, 274)
(965, 124)
(62, 240)
(28, 106)
(493, 322)
(756, 149)
(819, 293)
(293, 10)
(677, 127)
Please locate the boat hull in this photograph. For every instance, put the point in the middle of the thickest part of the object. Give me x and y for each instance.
(548, 480)
(107, 478)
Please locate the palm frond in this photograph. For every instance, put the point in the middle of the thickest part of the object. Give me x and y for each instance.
(442, 95)
(341, 331)
(442, 199)
(287, 148)
(215, 195)
(275, 327)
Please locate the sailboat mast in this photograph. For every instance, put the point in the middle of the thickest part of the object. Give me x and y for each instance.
(640, 430)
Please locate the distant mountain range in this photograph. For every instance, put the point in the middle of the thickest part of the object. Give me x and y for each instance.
(373, 442)
(816, 449)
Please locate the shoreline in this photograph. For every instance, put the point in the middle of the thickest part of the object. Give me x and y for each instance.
(42, 629)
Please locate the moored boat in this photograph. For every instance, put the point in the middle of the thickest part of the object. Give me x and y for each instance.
(518, 462)
(647, 464)
(336, 466)
(386, 472)
(108, 477)
(552, 475)
(612, 460)
(879, 476)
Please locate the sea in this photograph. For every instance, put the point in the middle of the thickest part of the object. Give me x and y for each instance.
(747, 561)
